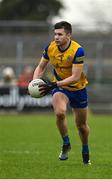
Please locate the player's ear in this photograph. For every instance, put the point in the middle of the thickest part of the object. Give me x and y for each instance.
(69, 35)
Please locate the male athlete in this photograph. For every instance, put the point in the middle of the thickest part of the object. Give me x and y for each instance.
(69, 85)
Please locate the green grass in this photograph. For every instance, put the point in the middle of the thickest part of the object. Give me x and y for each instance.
(30, 144)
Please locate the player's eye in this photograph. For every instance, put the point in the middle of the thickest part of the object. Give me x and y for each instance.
(58, 34)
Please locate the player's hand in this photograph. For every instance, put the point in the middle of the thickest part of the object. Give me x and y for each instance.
(47, 87)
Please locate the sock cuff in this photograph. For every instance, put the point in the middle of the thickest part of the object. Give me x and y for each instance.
(85, 148)
(66, 140)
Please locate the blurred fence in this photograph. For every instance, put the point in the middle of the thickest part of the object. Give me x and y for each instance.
(17, 99)
(22, 43)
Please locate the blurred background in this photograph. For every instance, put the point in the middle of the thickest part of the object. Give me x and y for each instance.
(26, 28)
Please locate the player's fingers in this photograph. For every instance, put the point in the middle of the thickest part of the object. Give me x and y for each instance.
(42, 89)
(43, 93)
(41, 85)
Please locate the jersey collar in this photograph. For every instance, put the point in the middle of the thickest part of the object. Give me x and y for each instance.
(63, 50)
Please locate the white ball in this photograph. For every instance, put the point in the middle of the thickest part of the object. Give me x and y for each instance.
(33, 88)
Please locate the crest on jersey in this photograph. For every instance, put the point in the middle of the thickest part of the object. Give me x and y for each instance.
(69, 58)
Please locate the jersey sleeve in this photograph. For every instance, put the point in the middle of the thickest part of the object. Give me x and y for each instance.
(79, 57)
(45, 53)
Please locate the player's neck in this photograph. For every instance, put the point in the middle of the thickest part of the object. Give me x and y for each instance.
(64, 47)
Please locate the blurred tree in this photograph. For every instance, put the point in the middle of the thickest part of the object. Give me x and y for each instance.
(29, 9)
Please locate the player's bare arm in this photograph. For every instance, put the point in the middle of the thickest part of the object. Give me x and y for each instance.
(39, 71)
(74, 78)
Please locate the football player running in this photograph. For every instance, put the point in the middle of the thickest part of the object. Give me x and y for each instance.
(69, 85)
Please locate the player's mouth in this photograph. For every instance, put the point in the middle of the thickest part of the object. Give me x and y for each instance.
(57, 42)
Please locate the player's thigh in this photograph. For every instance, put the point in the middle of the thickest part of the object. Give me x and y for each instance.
(80, 115)
(60, 102)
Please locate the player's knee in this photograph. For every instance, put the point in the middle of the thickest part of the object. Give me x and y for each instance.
(82, 128)
(60, 115)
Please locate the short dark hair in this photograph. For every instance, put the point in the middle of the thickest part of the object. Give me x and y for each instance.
(65, 25)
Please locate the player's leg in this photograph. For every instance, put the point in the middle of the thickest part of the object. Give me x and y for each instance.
(60, 102)
(83, 128)
(60, 105)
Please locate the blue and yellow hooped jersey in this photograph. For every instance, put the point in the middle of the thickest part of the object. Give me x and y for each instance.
(63, 61)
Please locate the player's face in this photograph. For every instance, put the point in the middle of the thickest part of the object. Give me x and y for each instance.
(61, 37)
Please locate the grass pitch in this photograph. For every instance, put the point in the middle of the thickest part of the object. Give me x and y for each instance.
(30, 145)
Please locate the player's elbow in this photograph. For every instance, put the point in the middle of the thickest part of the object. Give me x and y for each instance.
(76, 79)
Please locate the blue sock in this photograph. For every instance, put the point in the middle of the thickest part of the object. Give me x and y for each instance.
(85, 148)
(66, 140)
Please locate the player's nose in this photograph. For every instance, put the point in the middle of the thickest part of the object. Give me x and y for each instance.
(56, 37)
